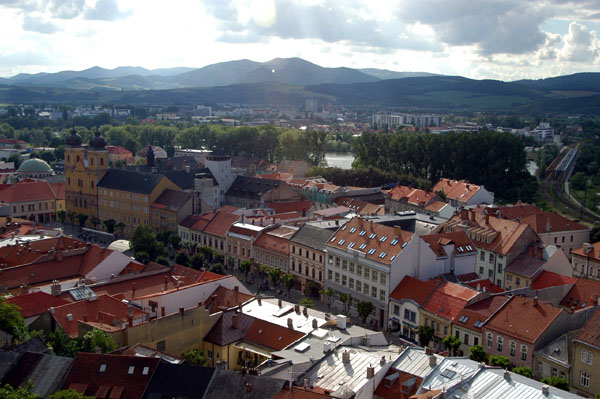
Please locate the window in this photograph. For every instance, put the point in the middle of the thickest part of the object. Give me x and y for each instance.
(145, 370)
(209, 354)
(499, 268)
(466, 341)
(367, 272)
(382, 296)
(329, 275)
(489, 340)
(523, 352)
(586, 357)
(509, 277)
(366, 289)
(481, 270)
(358, 286)
(410, 315)
(359, 270)
(374, 292)
(475, 340)
(161, 345)
(492, 258)
(500, 343)
(445, 330)
(382, 279)
(337, 262)
(482, 256)
(513, 348)
(337, 277)
(344, 264)
(397, 311)
(131, 370)
(584, 380)
(554, 372)
(374, 276)
(518, 281)
(103, 367)
(351, 267)
(351, 285)
(344, 280)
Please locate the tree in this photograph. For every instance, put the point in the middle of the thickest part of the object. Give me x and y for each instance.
(11, 320)
(62, 344)
(524, 371)
(478, 353)
(425, 335)
(207, 252)
(95, 221)
(8, 392)
(328, 297)
(60, 215)
(306, 302)
(120, 227)
(245, 267)
(69, 394)
(163, 260)
(109, 225)
(71, 215)
(175, 241)
(197, 261)
(97, 339)
(16, 158)
(595, 234)
(275, 275)
(81, 219)
(345, 300)
(195, 357)
(144, 240)
(364, 310)
(142, 257)
(182, 259)
(289, 280)
(442, 194)
(557, 382)
(218, 257)
(499, 361)
(452, 343)
(217, 268)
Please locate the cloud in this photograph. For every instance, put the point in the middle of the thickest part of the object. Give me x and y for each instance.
(581, 44)
(66, 9)
(106, 10)
(39, 25)
(102, 10)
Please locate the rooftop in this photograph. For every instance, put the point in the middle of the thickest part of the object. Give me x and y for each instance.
(590, 333)
(35, 303)
(449, 299)
(550, 279)
(312, 237)
(459, 190)
(584, 294)
(413, 289)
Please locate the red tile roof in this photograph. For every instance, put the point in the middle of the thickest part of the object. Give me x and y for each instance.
(26, 191)
(224, 298)
(115, 149)
(590, 333)
(300, 206)
(436, 206)
(550, 279)
(271, 335)
(59, 190)
(352, 232)
(589, 251)
(35, 303)
(523, 320)
(584, 294)
(413, 289)
(459, 190)
(462, 243)
(485, 285)
(276, 240)
(541, 221)
(30, 251)
(104, 310)
(301, 393)
(116, 381)
(479, 312)
(402, 387)
(448, 300)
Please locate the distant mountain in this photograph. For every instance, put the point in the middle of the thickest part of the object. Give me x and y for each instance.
(221, 74)
(387, 74)
(586, 81)
(296, 71)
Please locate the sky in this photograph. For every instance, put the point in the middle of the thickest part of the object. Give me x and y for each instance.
(480, 39)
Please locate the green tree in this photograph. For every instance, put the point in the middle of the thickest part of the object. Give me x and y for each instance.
(144, 240)
(595, 234)
(109, 225)
(8, 392)
(328, 297)
(163, 260)
(11, 320)
(62, 344)
(524, 371)
(557, 382)
(364, 310)
(143, 257)
(69, 394)
(71, 215)
(207, 252)
(81, 219)
(442, 194)
(182, 259)
(175, 241)
(452, 343)
(218, 257)
(195, 357)
(97, 339)
(499, 361)
(120, 227)
(61, 215)
(345, 300)
(275, 276)
(478, 353)
(197, 261)
(217, 268)
(289, 280)
(95, 222)
(16, 158)
(306, 302)
(425, 335)
(245, 267)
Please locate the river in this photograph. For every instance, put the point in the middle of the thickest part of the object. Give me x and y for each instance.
(339, 159)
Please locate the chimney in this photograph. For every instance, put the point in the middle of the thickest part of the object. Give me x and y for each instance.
(181, 310)
(432, 360)
(85, 318)
(487, 219)
(464, 214)
(346, 357)
(305, 383)
(546, 390)
(290, 323)
(326, 347)
(532, 250)
(279, 303)
(370, 372)
(187, 168)
(397, 230)
(315, 324)
(535, 300)
(305, 312)
(166, 282)
(540, 253)
(130, 310)
(133, 289)
(59, 256)
(50, 350)
(55, 288)
(259, 300)
(248, 387)
(382, 361)
(234, 321)
(297, 309)
(236, 289)
(428, 351)
(507, 375)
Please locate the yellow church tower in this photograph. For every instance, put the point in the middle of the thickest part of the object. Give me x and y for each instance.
(84, 168)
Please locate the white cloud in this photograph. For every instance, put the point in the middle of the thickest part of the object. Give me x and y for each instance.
(581, 44)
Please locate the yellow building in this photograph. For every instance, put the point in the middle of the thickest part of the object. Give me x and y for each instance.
(127, 197)
(85, 166)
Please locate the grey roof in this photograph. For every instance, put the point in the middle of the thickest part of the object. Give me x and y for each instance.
(490, 383)
(252, 187)
(7, 361)
(449, 372)
(312, 237)
(415, 361)
(179, 381)
(35, 344)
(184, 179)
(232, 385)
(561, 349)
(47, 372)
(223, 333)
(132, 181)
(173, 200)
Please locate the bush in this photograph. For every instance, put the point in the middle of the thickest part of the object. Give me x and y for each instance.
(500, 361)
(478, 353)
(557, 382)
(524, 371)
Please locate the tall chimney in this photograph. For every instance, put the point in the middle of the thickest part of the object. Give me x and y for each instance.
(133, 289)
(290, 323)
(432, 361)
(370, 372)
(59, 256)
(346, 357)
(535, 301)
(234, 320)
(540, 253)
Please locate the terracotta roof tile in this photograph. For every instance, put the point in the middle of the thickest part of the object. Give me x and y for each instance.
(485, 285)
(459, 190)
(584, 294)
(125, 376)
(449, 299)
(271, 335)
(459, 239)
(35, 303)
(589, 251)
(301, 393)
(28, 252)
(521, 319)
(414, 289)
(403, 386)
(550, 279)
(590, 333)
(26, 191)
(277, 240)
(473, 316)
(301, 206)
(224, 298)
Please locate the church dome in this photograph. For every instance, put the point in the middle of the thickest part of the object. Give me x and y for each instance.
(34, 165)
(97, 142)
(73, 139)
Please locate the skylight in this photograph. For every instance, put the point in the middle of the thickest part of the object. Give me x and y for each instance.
(352, 230)
(371, 251)
(351, 245)
(463, 319)
(333, 239)
(146, 370)
(344, 228)
(362, 233)
(131, 370)
(362, 246)
(404, 244)
(394, 241)
(372, 235)
(469, 248)
(383, 255)
(341, 242)
(103, 367)
(393, 257)
(382, 239)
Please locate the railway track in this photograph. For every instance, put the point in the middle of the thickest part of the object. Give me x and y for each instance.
(552, 192)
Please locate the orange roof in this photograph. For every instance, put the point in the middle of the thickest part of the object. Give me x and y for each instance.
(35, 303)
(413, 289)
(277, 240)
(590, 333)
(271, 335)
(459, 190)
(301, 206)
(541, 221)
(462, 243)
(523, 320)
(589, 251)
(104, 310)
(486, 284)
(29, 251)
(26, 191)
(59, 190)
(394, 388)
(584, 294)
(449, 299)
(379, 242)
(115, 149)
(224, 298)
(399, 192)
(550, 279)
(301, 393)
(473, 316)
(219, 225)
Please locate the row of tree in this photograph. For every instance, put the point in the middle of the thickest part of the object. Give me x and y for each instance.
(491, 158)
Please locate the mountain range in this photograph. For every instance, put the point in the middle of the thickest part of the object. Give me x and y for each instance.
(290, 81)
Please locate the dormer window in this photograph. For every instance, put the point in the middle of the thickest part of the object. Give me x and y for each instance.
(145, 370)
(131, 370)
(103, 367)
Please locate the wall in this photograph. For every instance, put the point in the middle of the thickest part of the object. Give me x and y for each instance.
(592, 369)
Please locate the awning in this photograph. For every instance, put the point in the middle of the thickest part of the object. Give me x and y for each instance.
(253, 348)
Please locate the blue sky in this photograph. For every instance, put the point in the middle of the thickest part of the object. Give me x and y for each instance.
(497, 39)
